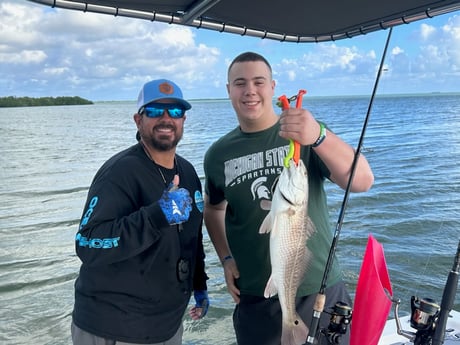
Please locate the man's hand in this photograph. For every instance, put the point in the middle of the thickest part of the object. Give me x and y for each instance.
(201, 305)
(231, 274)
(176, 203)
(299, 124)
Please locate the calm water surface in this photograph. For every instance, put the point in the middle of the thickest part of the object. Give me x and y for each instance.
(49, 155)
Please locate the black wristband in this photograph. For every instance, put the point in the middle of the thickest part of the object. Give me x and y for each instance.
(228, 257)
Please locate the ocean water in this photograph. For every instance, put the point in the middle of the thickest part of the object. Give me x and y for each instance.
(48, 156)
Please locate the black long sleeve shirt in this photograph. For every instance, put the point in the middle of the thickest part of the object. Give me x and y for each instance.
(130, 287)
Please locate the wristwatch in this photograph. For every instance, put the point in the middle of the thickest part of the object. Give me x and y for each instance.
(322, 135)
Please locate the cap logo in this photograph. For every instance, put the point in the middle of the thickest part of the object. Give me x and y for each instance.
(166, 88)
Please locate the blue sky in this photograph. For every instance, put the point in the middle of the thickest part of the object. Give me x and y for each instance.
(56, 52)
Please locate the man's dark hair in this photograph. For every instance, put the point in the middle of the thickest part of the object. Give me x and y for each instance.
(249, 57)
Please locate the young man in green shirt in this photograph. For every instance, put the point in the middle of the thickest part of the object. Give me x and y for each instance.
(240, 169)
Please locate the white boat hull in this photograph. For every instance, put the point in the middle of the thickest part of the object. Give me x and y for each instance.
(391, 337)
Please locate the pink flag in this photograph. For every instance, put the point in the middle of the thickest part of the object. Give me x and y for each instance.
(372, 302)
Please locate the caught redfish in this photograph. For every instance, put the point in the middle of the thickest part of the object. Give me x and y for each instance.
(290, 228)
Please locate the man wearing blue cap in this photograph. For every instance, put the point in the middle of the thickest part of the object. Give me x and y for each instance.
(140, 235)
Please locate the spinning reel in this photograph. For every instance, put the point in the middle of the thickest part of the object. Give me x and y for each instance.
(424, 318)
(339, 322)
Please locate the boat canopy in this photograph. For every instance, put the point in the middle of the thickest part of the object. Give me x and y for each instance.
(287, 20)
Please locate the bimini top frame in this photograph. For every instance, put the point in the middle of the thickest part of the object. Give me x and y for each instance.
(300, 21)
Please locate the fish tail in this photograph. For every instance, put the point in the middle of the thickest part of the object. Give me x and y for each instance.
(271, 288)
(294, 334)
(266, 225)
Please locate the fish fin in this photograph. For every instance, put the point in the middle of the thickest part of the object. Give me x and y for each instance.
(295, 334)
(266, 225)
(307, 260)
(310, 227)
(265, 204)
(270, 289)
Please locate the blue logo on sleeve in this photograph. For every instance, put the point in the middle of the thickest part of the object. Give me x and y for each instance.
(199, 201)
(89, 211)
(98, 243)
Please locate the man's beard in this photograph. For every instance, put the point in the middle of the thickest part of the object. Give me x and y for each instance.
(164, 145)
(163, 142)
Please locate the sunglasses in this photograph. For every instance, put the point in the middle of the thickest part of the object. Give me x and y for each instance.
(157, 109)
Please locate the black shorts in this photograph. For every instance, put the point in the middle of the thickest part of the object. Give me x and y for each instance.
(257, 320)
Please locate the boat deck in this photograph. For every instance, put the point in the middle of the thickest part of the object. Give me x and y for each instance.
(391, 337)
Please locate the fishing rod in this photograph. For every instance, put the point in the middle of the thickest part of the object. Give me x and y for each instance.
(318, 308)
(447, 301)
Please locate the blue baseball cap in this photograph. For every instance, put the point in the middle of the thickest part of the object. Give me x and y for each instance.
(160, 89)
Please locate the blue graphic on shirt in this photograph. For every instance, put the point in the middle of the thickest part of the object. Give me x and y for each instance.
(98, 243)
(199, 201)
(89, 211)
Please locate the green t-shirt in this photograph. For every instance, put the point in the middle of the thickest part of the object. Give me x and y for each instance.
(241, 168)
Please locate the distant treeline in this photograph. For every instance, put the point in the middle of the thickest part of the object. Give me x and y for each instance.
(12, 101)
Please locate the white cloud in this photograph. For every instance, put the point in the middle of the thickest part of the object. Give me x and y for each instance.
(430, 61)
(86, 48)
(452, 31)
(55, 71)
(397, 50)
(23, 57)
(442, 55)
(51, 52)
(427, 31)
(291, 75)
(372, 55)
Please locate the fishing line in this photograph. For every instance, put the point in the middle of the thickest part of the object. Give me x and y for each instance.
(406, 291)
(425, 268)
(321, 298)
